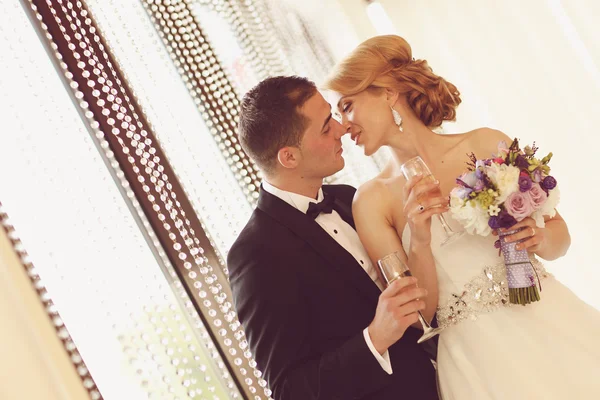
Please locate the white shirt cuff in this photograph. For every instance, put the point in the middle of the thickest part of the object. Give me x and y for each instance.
(383, 360)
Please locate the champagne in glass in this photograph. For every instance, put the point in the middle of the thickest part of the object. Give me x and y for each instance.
(392, 268)
(416, 166)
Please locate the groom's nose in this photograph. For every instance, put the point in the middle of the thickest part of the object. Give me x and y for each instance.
(345, 124)
(341, 130)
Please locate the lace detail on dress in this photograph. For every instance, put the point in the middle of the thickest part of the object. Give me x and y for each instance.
(484, 293)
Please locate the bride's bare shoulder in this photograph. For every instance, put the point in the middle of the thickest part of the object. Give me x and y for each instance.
(485, 138)
(377, 191)
(482, 141)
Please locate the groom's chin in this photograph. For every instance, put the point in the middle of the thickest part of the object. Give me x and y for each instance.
(340, 166)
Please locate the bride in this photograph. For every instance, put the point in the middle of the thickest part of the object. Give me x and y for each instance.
(487, 349)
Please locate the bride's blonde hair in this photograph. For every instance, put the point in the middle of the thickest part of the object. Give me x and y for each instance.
(387, 62)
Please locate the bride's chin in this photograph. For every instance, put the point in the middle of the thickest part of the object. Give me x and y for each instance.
(369, 150)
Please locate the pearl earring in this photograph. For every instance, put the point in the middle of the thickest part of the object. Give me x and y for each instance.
(397, 119)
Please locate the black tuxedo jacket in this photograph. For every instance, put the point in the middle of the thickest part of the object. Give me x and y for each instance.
(304, 302)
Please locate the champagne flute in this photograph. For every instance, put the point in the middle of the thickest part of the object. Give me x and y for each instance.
(392, 267)
(416, 166)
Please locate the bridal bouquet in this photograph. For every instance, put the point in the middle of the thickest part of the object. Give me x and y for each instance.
(498, 193)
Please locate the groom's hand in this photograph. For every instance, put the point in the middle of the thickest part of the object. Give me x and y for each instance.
(396, 311)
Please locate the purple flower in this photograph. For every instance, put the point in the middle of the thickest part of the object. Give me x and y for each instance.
(537, 175)
(479, 173)
(468, 180)
(525, 183)
(519, 205)
(461, 192)
(479, 186)
(505, 220)
(538, 196)
(503, 147)
(521, 162)
(483, 163)
(549, 183)
(494, 222)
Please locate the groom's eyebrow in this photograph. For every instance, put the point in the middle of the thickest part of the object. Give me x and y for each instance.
(326, 122)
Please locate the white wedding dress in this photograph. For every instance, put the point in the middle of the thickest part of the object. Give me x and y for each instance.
(490, 350)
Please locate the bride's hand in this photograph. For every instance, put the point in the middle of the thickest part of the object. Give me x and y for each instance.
(421, 201)
(532, 238)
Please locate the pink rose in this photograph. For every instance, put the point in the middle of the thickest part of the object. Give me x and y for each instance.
(519, 205)
(538, 196)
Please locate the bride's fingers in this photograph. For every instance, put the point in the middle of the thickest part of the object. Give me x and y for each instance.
(424, 189)
(434, 202)
(417, 207)
(527, 222)
(529, 244)
(410, 184)
(421, 195)
(421, 216)
(522, 234)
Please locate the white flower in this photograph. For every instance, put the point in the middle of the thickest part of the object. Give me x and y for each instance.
(456, 201)
(547, 209)
(471, 215)
(506, 179)
(494, 210)
(539, 219)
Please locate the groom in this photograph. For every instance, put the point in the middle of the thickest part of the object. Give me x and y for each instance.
(305, 291)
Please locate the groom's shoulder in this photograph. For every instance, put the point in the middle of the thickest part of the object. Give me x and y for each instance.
(253, 240)
(258, 227)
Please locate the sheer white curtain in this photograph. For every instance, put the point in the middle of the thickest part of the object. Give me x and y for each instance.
(532, 70)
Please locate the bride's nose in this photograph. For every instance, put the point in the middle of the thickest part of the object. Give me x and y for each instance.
(347, 125)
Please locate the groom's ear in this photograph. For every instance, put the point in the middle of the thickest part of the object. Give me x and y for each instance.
(289, 157)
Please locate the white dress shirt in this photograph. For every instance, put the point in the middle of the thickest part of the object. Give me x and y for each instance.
(346, 237)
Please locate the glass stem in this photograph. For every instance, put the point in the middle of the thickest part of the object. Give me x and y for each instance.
(424, 322)
(445, 225)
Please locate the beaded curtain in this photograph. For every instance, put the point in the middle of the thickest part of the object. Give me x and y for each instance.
(137, 167)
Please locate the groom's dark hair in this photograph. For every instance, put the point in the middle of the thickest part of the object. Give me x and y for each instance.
(270, 118)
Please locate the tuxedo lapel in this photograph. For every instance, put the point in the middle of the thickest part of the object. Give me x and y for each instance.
(309, 231)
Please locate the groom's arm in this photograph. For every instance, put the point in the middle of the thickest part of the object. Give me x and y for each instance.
(272, 308)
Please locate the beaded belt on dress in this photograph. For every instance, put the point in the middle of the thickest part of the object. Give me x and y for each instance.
(486, 292)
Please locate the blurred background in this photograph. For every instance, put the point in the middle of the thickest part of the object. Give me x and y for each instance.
(122, 184)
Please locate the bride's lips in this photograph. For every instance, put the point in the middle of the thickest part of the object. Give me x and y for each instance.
(355, 138)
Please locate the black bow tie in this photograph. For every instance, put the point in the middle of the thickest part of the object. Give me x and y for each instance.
(325, 206)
